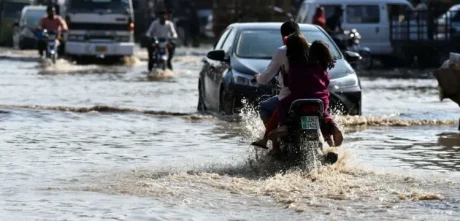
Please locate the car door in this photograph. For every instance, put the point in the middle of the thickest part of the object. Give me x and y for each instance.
(222, 67)
(366, 18)
(209, 86)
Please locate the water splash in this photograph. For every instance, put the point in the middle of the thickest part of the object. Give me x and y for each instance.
(159, 75)
(130, 60)
(46, 66)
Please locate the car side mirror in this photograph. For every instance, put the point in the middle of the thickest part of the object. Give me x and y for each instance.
(217, 55)
(352, 57)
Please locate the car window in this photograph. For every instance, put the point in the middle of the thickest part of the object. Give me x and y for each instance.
(302, 15)
(32, 17)
(368, 14)
(330, 9)
(229, 41)
(261, 44)
(456, 17)
(222, 39)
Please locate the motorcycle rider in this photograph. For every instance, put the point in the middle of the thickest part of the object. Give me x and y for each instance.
(268, 107)
(52, 23)
(162, 28)
(334, 25)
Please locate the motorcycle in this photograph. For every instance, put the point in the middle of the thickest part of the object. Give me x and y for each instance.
(52, 44)
(303, 145)
(350, 41)
(159, 58)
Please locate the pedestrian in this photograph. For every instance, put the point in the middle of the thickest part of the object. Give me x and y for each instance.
(319, 18)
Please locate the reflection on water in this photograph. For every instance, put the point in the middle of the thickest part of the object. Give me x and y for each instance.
(111, 142)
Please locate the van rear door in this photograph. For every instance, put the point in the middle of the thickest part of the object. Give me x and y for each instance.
(368, 19)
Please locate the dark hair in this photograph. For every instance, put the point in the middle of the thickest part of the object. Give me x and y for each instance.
(289, 27)
(320, 54)
(50, 8)
(338, 10)
(319, 8)
(297, 49)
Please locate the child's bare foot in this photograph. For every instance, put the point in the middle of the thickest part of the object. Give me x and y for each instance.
(278, 132)
(262, 143)
(338, 135)
(276, 150)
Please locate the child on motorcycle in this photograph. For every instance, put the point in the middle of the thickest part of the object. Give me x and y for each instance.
(307, 79)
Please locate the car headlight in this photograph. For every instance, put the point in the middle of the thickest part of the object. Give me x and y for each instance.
(243, 79)
(350, 80)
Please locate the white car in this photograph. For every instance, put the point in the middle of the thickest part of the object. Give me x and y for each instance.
(452, 18)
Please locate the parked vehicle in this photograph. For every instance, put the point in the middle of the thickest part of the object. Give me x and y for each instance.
(303, 146)
(208, 28)
(10, 12)
(25, 33)
(245, 49)
(350, 41)
(370, 17)
(103, 29)
(159, 58)
(451, 21)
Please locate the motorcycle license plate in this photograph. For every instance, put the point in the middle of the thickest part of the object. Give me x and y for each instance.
(101, 48)
(309, 122)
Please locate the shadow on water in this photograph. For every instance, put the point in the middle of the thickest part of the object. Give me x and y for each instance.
(450, 140)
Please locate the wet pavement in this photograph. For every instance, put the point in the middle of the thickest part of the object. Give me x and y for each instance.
(111, 142)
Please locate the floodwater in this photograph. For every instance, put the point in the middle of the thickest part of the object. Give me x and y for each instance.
(96, 142)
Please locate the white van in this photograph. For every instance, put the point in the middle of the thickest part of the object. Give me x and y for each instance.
(369, 17)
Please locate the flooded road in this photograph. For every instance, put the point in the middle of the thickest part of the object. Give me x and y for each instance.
(95, 142)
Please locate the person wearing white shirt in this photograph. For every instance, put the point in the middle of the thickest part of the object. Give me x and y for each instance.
(279, 60)
(162, 28)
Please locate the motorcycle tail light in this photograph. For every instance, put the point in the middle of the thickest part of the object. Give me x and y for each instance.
(311, 108)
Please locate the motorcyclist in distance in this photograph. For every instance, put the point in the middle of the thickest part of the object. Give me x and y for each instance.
(334, 25)
(163, 28)
(52, 23)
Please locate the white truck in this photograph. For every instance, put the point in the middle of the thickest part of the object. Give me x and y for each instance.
(99, 28)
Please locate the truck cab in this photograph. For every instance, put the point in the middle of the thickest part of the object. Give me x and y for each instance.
(99, 28)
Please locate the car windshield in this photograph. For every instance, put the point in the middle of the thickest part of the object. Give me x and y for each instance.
(100, 5)
(33, 16)
(13, 9)
(261, 44)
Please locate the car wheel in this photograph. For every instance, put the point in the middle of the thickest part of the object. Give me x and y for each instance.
(201, 106)
(227, 102)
